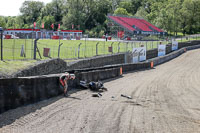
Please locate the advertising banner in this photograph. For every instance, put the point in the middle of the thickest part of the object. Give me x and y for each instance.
(139, 54)
(161, 50)
(174, 45)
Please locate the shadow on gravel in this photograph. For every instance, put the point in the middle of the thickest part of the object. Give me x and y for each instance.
(12, 115)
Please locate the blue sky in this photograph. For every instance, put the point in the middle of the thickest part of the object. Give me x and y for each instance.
(11, 7)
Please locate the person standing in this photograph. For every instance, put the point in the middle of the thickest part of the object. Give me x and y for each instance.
(106, 37)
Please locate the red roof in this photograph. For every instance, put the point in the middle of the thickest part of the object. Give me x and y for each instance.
(71, 30)
(25, 29)
(119, 21)
(135, 24)
(156, 28)
(39, 30)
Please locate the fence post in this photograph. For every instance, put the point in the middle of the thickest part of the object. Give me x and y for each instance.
(119, 47)
(112, 46)
(1, 30)
(59, 49)
(146, 45)
(97, 48)
(131, 46)
(181, 38)
(35, 48)
(79, 50)
(126, 46)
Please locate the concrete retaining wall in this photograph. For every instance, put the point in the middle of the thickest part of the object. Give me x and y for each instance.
(54, 66)
(99, 74)
(45, 67)
(15, 92)
(135, 66)
(172, 55)
(98, 61)
(162, 59)
(153, 53)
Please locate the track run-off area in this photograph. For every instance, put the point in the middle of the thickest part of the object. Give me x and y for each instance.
(165, 99)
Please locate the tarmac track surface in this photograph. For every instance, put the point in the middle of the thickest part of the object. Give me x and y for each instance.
(165, 100)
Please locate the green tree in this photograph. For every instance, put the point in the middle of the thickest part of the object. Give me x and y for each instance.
(30, 11)
(136, 4)
(19, 23)
(142, 13)
(11, 23)
(121, 11)
(190, 16)
(2, 22)
(97, 14)
(56, 9)
(126, 5)
(75, 15)
(48, 21)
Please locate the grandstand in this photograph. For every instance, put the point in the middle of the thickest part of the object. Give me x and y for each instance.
(126, 26)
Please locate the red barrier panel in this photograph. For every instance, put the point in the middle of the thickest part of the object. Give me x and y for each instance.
(128, 38)
(55, 37)
(7, 36)
(109, 38)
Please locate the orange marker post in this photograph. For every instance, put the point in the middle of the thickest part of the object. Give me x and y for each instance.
(152, 64)
(121, 71)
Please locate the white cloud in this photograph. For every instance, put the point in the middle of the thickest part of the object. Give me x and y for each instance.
(11, 7)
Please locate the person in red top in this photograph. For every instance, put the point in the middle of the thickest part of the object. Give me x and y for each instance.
(63, 81)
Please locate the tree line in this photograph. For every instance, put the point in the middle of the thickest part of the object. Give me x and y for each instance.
(173, 16)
